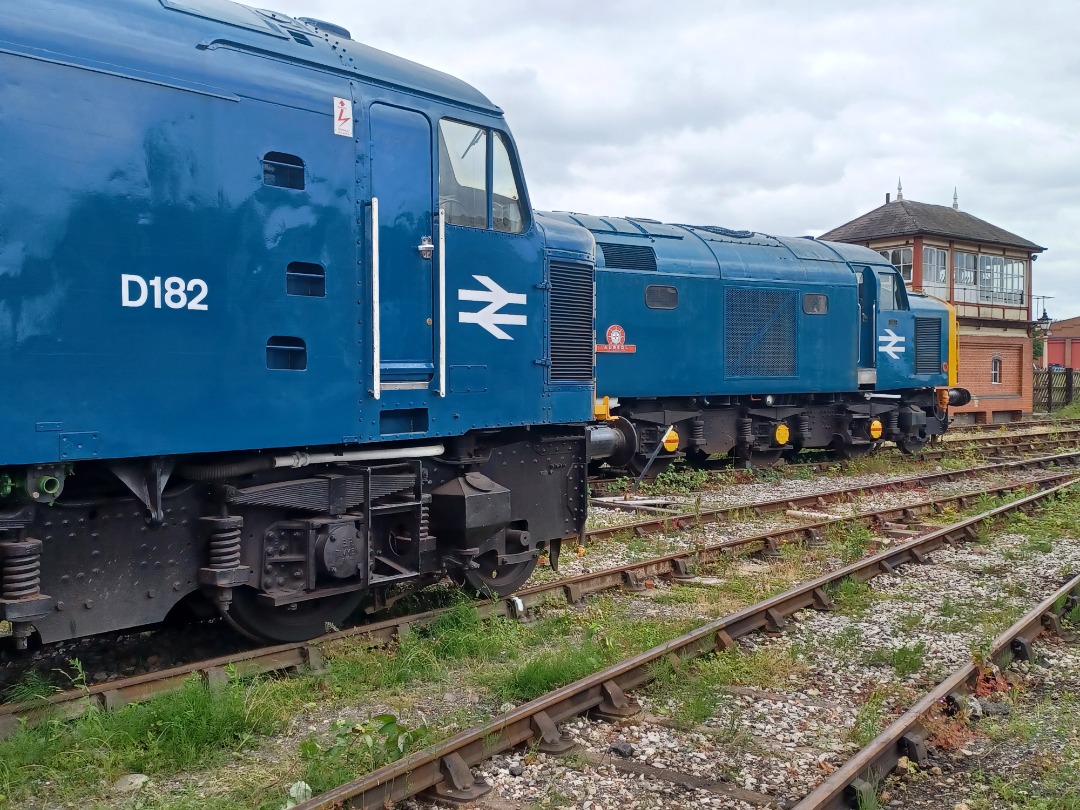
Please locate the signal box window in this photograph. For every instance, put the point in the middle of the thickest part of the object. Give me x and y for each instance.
(463, 174)
(995, 371)
(464, 171)
(901, 260)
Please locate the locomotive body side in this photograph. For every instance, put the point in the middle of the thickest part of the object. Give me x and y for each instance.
(757, 346)
(235, 245)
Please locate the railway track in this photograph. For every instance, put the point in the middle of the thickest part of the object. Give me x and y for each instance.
(988, 446)
(854, 784)
(1023, 424)
(445, 771)
(900, 521)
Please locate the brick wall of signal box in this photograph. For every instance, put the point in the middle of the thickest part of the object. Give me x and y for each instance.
(1014, 391)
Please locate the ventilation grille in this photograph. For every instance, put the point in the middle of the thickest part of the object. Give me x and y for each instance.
(759, 328)
(927, 346)
(628, 257)
(571, 322)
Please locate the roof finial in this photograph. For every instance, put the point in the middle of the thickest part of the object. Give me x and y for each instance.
(955, 200)
(899, 190)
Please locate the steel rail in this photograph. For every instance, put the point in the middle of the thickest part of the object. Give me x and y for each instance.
(822, 498)
(307, 656)
(931, 453)
(1013, 439)
(853, 783)
(1021, 424)
(445, 768)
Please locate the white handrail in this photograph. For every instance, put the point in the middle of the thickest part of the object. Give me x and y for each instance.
(441, 391)
(376, 348)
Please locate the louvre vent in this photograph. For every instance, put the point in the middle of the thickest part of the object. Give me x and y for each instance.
(927, 346)
(627, 257)
(759, 328)
(571, 323)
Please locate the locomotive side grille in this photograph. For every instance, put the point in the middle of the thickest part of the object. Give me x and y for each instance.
(927, 346)
(759, 331)
(627, 257)
(571, 322)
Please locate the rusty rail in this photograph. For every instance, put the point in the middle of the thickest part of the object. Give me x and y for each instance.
(445, 768)
(852, 784)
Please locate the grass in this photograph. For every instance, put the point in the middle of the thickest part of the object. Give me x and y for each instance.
(848, 541)
(906, 660)
(192, 728)
(851, 596)
(869, 720)
(694, 691)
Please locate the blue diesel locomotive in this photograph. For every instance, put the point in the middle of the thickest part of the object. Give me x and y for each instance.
(281, 333)
(734, 342)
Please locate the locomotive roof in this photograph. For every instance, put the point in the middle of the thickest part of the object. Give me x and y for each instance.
(169, 39)
(707, 249)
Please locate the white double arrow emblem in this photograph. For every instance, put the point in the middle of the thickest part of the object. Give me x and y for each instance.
(891, 344)
(496, 298)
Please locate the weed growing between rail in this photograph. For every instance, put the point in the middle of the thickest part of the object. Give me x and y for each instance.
(191, 728)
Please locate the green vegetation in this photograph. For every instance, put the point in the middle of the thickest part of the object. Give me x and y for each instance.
(695, 690)
(194, 727)
(851, 596)
(869, 721)
(848, 541)
(358, 748)
(906, 660)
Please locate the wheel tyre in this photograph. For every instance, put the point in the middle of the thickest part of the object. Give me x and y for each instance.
(492, 581)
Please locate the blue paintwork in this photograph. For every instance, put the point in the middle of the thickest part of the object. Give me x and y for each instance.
(133, 133)
(680, 352)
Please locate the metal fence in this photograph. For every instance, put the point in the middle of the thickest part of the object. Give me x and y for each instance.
(1053, 390)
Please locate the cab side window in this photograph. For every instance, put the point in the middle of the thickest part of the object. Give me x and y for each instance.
(890, 291)
(469, 158)
(463, 174)
(505, 195)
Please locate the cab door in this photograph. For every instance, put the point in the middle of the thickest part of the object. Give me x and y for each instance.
(402, 192)
(868, 287)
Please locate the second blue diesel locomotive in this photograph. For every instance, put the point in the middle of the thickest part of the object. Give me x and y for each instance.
(734, 342)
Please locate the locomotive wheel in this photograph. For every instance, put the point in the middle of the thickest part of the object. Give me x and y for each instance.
(494, 580)
(911, 445)
(757, 458)
(846, 452)
(637, 463)
(250, 616)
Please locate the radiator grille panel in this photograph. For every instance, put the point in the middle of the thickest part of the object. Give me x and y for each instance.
(627, 257)
(571, 323)
(759, 330)
(927, 346)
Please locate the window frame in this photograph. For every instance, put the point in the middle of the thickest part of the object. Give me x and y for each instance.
(941, 269)
(491, 135)
(996, 369)
(889, 253)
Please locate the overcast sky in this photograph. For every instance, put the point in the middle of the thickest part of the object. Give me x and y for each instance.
(789, 118)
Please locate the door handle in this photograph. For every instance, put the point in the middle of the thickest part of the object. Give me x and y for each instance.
(425, 247)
